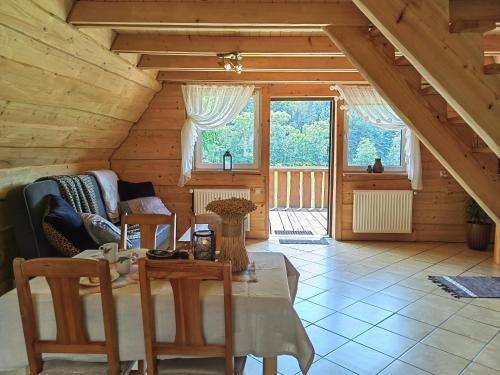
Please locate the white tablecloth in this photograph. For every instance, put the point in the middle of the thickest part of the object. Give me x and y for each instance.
(265, 323)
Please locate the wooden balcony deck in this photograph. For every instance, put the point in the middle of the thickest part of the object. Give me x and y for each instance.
(299, 220)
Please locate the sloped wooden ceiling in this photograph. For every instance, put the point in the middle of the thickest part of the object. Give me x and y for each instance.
(64, 97)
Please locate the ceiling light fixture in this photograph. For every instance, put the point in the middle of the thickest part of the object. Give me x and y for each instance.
(231, 61)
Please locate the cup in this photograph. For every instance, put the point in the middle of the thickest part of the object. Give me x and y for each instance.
(124, 263)
(110, 251)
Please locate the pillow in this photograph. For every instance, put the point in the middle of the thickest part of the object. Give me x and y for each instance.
(63, 225)
(133, 190)
(101, 230)
(147, 205)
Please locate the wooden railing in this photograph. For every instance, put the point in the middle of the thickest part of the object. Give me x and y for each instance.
(301, 187)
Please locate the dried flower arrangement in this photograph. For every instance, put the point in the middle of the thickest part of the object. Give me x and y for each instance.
(232, 212)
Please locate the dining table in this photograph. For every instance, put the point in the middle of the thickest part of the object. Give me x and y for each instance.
(265, 323)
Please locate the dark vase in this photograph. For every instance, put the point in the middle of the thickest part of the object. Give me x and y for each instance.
(377, 166)
(478, 236)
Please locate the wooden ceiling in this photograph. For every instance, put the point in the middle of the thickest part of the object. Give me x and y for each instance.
(278, 40)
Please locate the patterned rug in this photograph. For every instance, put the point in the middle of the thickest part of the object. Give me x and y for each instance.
(469, 286)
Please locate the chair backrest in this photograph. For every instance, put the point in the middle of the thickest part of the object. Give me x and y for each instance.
(185, 277)
(63, 278)
(214, 223)
(148, 224)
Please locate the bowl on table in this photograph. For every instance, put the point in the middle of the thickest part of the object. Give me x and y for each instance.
(164, 254)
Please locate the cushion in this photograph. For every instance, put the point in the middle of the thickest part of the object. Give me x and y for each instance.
(199, 366)
(147, 205)
(64, 367)
(62, 221)
(101, 230)
(132, 190)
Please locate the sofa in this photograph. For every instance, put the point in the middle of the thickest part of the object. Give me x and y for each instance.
(26, 205)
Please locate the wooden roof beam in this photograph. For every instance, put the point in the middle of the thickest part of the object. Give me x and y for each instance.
(116, 14)
(452, 63)
(262, 77)
(474, 15)
(418, 112)
(250, 64)
(211, 45)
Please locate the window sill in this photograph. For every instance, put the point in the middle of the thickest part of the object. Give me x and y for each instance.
(361, 176)
(233, 171)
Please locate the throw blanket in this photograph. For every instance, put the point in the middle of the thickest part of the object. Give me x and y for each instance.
(78, 191)
(108, 182)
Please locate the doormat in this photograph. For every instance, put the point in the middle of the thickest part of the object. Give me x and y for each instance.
(298, 241)
(469, 286)
(294, 232)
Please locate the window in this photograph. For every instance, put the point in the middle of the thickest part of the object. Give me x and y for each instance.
(365, 142)
(239, 137)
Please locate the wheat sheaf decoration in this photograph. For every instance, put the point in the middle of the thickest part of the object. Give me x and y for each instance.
(232, 212)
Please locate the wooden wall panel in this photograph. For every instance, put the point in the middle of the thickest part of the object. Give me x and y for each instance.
(66, 101)
(438, 210)
(152, 153)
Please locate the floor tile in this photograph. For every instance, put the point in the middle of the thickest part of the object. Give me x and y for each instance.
(332, 300)
(360, 359)
(490, 355)
(407, 327)
(402, 292)
(372, 283)
(470, 328)
(385, 341)
(252, 366)
(434, 360)
(324, 367)
(367, 313)
(477, 369)
(287, 365)
(342, 275)
(386, 302)
(454, 343)
(481, 314)
(344, 325)
(425, 314)
(323, 340)
(311, 312)
(401, 368)
(306, 291)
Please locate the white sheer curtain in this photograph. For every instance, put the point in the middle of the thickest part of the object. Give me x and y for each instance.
(208, 107)
(366, 102)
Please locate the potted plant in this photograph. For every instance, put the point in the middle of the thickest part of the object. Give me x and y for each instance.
(478, 226)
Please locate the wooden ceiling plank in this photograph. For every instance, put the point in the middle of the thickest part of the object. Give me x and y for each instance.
(261, 77)
(118, 13)
(417, 112)
(212, 63)
(211, 45)
(451, 63)
(473, 15)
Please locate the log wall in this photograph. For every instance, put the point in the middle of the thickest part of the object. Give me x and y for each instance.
(66, 101)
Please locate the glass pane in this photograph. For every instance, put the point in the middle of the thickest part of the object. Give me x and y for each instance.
(366, 142)
(237, 137)
(300, 133)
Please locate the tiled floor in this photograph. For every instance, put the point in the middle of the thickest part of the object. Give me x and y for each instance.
(369, 309)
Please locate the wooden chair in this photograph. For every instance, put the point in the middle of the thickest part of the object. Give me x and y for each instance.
(63, 277)
(214, 223)
(148, 224)
(185, 277)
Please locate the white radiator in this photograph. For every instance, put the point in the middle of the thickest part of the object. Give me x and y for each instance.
(382, 211)
(202, 197)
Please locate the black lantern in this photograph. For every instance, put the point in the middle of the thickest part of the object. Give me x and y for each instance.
(204, 245)
(227, 161)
